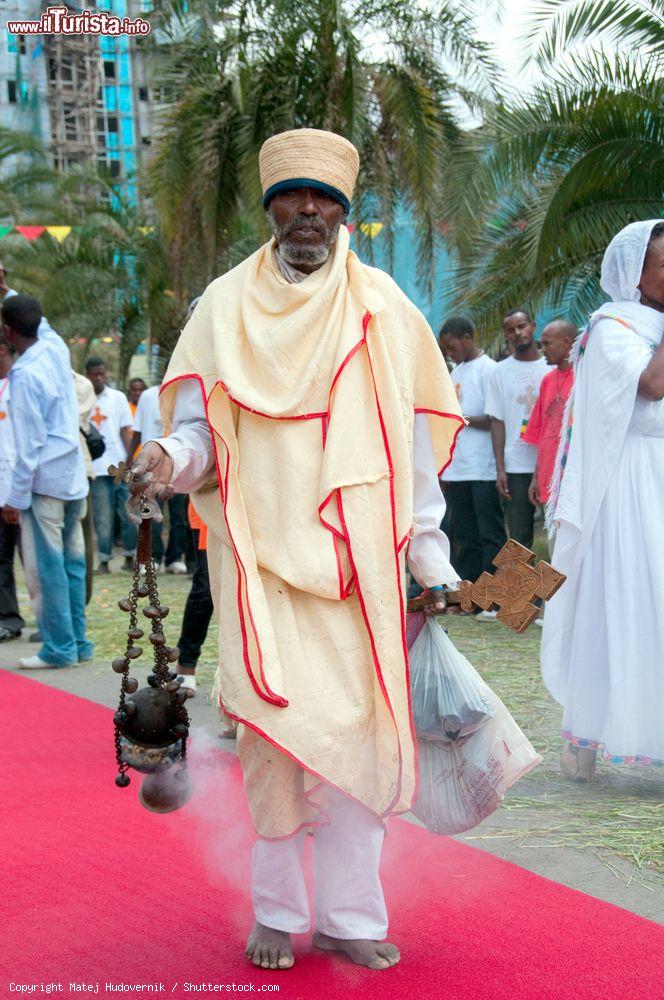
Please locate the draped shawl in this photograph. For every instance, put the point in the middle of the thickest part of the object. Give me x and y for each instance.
(310, 392)
(609, 359)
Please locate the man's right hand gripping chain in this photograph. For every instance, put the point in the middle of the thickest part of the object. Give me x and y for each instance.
(152, 472)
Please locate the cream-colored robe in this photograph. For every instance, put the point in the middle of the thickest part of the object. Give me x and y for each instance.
(310, 393)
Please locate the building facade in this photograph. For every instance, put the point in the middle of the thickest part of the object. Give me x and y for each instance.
(85, 96)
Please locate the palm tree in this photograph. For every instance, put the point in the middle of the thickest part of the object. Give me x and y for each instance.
(383, 73)
(561, 24)
(537, 193)
(108, 277)
(24, 174)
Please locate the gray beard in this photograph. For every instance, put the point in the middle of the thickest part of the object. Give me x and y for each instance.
(294, 253)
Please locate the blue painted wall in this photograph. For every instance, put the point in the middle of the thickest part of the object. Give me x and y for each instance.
(436, 307)
(404, 270)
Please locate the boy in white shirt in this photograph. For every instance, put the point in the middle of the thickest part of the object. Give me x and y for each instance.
(147, 426)
(479, 525)
(112, 417)
(511, 395)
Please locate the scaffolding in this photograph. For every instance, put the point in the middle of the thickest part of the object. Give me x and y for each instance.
(74, 97)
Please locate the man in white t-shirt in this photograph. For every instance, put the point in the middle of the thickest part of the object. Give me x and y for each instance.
(478, 521)
(47, 333)
(112, 418)
(48, 491)
(511, 395)
(147, 426)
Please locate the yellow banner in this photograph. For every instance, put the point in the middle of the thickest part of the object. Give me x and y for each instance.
(58, 233)
(371, 229)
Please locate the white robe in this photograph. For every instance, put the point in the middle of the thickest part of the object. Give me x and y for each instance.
(603, 639)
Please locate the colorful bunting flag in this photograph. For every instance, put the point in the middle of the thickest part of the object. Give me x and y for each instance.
(30, 232)
(58, 233)
(371, 229)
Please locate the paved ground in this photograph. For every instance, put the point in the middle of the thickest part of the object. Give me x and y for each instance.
(579, 868)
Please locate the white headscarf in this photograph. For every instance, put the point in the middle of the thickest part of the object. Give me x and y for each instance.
(623, 261)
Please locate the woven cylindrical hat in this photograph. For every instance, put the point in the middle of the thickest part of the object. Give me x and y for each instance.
(309, 157)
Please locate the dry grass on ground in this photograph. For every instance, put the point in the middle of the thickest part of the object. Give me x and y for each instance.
(621, 813)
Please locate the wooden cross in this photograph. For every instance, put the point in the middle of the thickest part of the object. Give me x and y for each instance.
(120, 473)
(511, 589)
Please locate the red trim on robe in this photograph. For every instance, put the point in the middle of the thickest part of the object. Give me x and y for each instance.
(277, 700)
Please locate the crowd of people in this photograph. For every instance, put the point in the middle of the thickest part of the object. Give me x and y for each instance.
(504, 458)
(322, 394)
(58, 436)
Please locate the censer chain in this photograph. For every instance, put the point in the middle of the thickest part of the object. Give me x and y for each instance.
(162, 675)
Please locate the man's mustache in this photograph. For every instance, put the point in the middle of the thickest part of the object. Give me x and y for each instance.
(307, 223)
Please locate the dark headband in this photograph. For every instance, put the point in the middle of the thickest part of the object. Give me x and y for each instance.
(304, 182)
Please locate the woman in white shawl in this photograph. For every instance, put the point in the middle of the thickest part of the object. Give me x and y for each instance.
(603, 639)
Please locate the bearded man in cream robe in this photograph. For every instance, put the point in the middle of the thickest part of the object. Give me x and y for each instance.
(308, 410)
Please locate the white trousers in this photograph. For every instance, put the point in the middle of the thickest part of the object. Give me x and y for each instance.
(348, 897)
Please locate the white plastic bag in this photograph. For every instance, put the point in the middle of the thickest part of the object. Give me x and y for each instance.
(463, 782)
(449, 698)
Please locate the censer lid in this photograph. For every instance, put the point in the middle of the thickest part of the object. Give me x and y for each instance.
(152, 723)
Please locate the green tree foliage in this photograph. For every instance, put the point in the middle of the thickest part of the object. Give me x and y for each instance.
(537, 193)
(560, 24)
(108, 276)
(24, 177)
(388, 75)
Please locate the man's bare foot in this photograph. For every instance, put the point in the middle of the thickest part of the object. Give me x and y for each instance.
(373, 954)
(269, 949)
(578, 763)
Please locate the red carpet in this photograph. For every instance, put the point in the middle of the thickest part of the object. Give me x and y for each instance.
(97, 890)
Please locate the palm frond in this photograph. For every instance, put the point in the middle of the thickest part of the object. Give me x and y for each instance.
(14, 143)
(543, 186)
(561, 24)
(380, 72)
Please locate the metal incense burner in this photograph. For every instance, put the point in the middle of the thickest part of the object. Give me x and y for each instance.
(151, 724)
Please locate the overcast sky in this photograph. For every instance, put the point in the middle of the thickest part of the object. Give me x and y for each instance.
(510, 47)
(506, 36)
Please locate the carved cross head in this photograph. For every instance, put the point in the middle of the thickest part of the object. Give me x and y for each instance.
(120, 473)
(511, 590)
